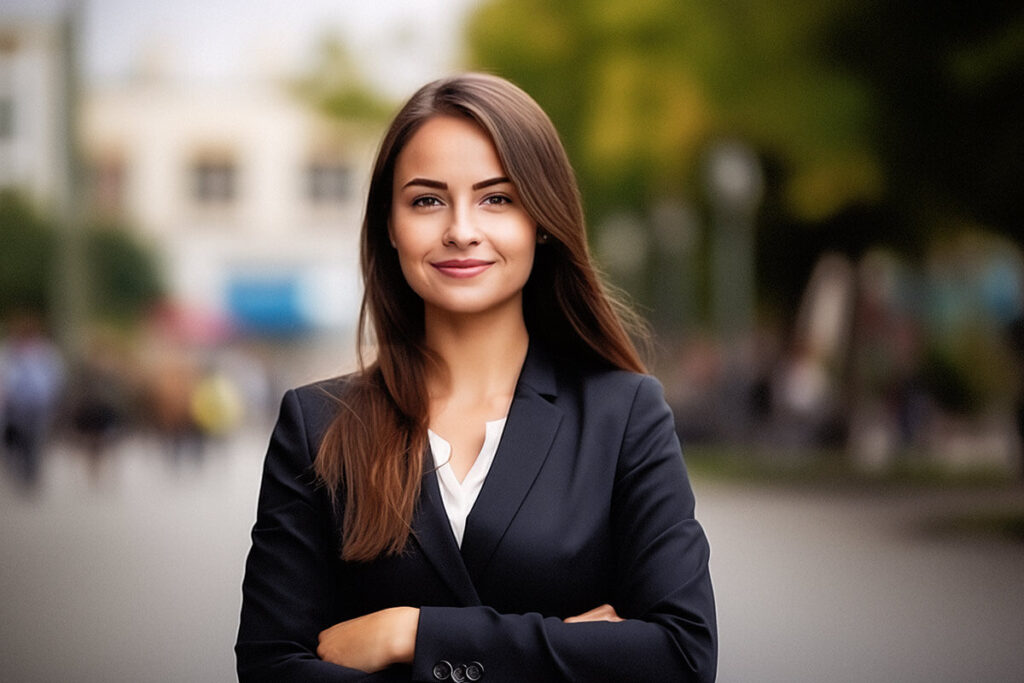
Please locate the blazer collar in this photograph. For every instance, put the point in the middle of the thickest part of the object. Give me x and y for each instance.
(539, 372)
(533, 420)
(433, 533)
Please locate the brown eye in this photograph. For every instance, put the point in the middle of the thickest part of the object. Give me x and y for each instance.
(427, 201)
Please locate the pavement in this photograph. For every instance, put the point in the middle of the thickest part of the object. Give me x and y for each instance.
(131, 572)
(814, 585)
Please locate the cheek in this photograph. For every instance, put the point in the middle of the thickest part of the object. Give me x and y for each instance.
(525, 248)
(408, 242)
(411, 267)
(407, 255)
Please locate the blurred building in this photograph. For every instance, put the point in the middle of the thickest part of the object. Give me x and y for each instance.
(250, 197)
(32, 87)
(253, 199)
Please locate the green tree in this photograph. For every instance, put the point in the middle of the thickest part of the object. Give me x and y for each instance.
(26, 257)
(638, 89)
(876, 121)
(335, 86)
(123, 275)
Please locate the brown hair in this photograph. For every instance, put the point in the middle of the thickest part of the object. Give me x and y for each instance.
(371, 457)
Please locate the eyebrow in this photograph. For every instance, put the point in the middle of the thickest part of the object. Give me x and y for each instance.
(438, 185)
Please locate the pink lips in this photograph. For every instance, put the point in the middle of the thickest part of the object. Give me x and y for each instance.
(462, 268)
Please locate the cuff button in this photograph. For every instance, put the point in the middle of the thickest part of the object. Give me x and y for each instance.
(474, 671)
(459, 674)
(442, 670)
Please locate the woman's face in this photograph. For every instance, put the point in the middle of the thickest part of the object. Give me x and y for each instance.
(464, 240)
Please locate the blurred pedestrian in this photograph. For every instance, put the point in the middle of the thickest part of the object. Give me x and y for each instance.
(99, 399)
(169, 389)
(31, 380)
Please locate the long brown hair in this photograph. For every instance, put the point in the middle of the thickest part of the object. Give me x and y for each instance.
(371, 457)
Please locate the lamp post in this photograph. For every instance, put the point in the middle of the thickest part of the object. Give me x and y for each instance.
(674, 268)
(70, 286)
(735, 188)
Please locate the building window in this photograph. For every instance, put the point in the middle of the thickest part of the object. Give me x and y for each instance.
(108, 180)
(214, 181)
(6, 117)
(328, 183)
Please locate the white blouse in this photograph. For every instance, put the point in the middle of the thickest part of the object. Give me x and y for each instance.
(458, 497)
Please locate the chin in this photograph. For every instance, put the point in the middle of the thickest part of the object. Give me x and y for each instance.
(464, 306)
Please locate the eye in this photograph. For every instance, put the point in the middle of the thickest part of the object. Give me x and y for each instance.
(497, 200)
(426, 201)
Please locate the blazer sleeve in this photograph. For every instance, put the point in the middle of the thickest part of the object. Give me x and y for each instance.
(663, 586)
(287, 590)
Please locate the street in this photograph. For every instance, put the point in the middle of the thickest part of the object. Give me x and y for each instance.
(132, 573)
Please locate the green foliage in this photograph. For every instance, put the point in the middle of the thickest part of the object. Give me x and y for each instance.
(877, 122)
(26, 257)
(123, 278)
(637, 89)
(336, 87)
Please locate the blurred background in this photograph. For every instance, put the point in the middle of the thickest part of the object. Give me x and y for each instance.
(817, 206)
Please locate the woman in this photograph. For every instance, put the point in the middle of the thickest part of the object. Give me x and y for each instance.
(499, 494)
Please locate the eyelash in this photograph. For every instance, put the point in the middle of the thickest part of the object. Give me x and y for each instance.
(430, 201)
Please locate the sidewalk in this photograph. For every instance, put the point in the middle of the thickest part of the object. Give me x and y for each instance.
(863, 584)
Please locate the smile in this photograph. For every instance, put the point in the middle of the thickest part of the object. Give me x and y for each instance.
(462, 268)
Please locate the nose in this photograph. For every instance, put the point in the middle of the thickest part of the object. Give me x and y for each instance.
(462, 230)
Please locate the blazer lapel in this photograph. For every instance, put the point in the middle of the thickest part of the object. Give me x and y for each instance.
(526, 440)
(433, 533)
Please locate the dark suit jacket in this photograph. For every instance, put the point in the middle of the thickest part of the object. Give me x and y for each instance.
(587, 502)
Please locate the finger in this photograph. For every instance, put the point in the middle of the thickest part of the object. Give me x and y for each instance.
(603, 613)
(585, 616)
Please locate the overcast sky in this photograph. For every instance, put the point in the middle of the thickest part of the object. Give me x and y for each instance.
(402, 43)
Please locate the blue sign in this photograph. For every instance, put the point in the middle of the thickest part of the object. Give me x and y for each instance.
(267, 304)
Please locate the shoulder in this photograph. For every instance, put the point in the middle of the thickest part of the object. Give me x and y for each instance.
(630, 410)
(611, 396)
(611, 385)
(322, 393)
(316, 404)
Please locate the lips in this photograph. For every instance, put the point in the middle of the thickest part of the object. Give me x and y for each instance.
(462, 268)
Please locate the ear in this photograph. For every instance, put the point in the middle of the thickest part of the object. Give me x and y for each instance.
(542, 235)
(391, 235)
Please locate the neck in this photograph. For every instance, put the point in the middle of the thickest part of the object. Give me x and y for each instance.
(482, 354)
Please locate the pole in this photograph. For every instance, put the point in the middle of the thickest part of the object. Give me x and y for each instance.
(70, 281)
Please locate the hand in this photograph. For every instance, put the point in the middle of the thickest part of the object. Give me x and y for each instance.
(603, 613)
(373, 641)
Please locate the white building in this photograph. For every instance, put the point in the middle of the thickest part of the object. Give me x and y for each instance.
(32, 90)
(252, 198)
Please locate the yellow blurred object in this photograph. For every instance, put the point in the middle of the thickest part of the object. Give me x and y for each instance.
(216, 405)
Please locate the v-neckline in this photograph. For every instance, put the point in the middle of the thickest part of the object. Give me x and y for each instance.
(442, 452)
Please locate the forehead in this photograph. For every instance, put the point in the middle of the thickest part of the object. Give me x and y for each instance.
(450, 146)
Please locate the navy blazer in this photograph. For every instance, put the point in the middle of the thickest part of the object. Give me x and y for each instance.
(587, 502)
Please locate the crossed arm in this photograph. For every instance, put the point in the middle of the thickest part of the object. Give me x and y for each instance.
(377, 640)
(670, 614)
